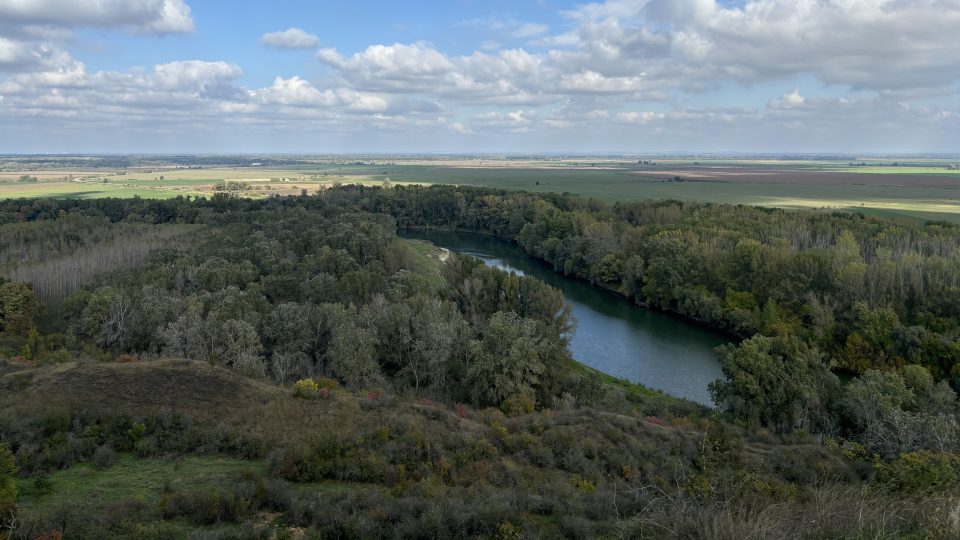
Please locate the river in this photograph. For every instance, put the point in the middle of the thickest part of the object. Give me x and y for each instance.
(613, 335)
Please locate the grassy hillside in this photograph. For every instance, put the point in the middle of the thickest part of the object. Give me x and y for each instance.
(362, 465)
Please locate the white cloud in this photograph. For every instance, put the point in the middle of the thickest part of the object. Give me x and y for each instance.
(619, 70)
(153, 16)
(381, 64)
(790, 100)
(291, 38)
(507, 27)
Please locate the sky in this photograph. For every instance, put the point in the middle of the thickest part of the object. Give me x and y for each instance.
(631, 76)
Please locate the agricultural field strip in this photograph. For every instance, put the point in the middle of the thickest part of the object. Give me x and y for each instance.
(929, 190)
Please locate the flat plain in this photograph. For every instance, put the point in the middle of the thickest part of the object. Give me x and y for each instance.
(928, 189)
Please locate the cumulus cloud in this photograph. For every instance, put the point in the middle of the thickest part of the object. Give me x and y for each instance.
(24, 56)
(618, 69)
(291, 38)
(872, 44)
(647, 48)
(153, 16)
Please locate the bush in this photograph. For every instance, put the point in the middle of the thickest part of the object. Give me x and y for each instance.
(104, 457)
(306, 389)
(517, 405)
(328, 383)
(920, 471)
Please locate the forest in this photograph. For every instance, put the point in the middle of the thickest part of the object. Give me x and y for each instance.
(841, 383)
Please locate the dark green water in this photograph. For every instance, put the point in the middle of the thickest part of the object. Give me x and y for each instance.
(613, 335)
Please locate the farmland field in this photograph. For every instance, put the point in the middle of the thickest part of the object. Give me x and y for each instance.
(925, 189)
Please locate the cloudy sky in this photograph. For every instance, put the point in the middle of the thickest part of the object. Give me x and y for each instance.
(480, 75)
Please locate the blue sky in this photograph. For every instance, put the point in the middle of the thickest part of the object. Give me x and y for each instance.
(231, 31)
(472, 76)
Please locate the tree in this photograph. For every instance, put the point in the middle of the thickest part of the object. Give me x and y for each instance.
(352, 354)
(778, 382)
(18, 308)
(287, 366)
(513, 356)
(288, 327)
(236, 344)
(187, 337)
(437, 330)
(872, 397)
(108, 318)
(894, 412)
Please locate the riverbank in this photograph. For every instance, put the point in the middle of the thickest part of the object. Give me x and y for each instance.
(726, 332)
(643, 352)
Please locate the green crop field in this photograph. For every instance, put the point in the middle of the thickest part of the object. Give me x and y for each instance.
(921, 189)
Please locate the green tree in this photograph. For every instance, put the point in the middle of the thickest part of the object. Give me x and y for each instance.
(18, 308)
(108, 318)
(778, 382)
(288, 327)
(352, 353)
(873, 397)
(236, 344)
(514, 356)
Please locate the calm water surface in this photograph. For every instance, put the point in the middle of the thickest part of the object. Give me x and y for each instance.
(613, 335)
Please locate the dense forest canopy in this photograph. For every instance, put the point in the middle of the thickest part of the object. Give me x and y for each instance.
(844, 326)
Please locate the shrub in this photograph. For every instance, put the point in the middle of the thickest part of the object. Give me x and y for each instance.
(305, 388)
(375, 399)
(920, 471)
(104, 457)
(328, 383)
(582, 484)
(518, 404)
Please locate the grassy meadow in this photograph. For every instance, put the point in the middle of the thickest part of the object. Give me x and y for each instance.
(131, 478)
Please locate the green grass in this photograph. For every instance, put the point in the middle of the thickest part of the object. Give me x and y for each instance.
(81, 190)
(635, 392)
(904, 170)
(133, 479)
(426, 260)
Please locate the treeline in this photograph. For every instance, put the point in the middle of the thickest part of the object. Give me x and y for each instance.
(58, 257)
